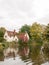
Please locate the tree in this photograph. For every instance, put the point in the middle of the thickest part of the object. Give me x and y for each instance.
(46, 33)
(1, 52)
(2, 31)
(36, 32)
(46, 42)
(1, 36)
(25, 28)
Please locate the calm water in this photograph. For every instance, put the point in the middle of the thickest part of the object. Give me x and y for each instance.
(24, 56)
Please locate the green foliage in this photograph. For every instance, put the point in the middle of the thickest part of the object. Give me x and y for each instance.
(25, 28)
(1, 39)
(1, 47)
(22, 44)
(35, 52)
(46, 34)
(2, 31)
(13, 44)
(36, 32)
(46, 50)
(5, 44)
(1, 52)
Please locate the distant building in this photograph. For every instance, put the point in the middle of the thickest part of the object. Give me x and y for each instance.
(10, 36)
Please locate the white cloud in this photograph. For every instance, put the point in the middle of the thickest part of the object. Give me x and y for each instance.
(15, 13)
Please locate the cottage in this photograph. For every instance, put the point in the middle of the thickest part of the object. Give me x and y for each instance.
(23, 36)
(10, 36)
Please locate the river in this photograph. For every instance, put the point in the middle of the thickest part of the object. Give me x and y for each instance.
(17, 61)
(24, 57)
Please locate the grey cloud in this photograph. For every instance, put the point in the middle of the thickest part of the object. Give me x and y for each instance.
(15, 13)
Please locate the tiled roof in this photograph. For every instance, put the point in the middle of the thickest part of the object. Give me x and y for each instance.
(20, 36)
(11, 33)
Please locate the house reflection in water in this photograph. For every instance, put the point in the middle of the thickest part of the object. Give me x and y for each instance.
(10, 52)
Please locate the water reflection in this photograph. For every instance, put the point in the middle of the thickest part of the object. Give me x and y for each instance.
(1, 53)
(1, 56)
(28, 55)
(35, 55)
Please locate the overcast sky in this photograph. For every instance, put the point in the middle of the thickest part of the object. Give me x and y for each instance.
(15, 13)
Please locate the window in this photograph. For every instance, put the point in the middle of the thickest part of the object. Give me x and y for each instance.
(5, 36)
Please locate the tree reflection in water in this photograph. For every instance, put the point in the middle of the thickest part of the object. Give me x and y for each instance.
(1, 53)
(31, 54)
(34, 54)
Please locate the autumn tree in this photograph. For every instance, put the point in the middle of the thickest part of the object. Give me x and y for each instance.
(36, 32)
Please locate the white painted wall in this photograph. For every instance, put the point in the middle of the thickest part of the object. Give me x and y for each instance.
(10, 39)
(27, 35)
